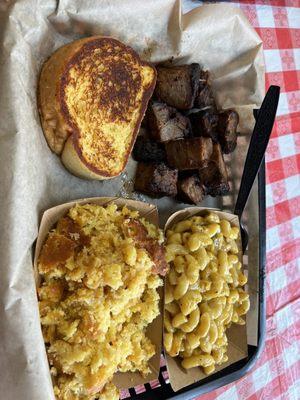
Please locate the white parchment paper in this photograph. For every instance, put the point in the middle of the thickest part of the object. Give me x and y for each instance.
(32, 179)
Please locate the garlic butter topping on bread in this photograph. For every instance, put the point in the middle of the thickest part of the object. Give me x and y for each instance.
(93, 94)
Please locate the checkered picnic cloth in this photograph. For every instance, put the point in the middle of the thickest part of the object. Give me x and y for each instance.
(276, 375)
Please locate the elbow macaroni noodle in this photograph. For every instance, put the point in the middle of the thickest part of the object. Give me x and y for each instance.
(204, 291)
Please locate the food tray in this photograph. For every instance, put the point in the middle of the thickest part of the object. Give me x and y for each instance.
(33, 179)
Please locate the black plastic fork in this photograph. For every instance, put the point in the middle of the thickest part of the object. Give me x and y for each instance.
(265, 118)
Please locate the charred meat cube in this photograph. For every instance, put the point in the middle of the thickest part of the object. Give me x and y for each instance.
(214, 174)
(204, 79)
(189, 154)
(227, 135)
(177, 86)
(218, 189)
(204, 97)
(143, 123)
(166, 123)
(190, 190)
(156, 180)
(204, 123)
(148, 151)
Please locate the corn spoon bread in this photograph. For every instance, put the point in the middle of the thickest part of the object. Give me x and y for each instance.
(99, 293)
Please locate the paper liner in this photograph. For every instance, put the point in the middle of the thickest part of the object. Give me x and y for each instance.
(218, 36)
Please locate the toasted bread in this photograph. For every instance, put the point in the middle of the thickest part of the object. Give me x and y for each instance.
(92, 96)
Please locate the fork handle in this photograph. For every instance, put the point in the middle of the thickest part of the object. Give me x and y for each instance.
(257, 147)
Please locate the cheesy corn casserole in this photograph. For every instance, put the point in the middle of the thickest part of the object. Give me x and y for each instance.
(100, 268)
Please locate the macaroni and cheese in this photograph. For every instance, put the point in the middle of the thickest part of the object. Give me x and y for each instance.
(100, 277)
(204, 291)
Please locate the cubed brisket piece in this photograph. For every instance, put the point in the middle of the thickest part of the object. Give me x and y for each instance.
(147, 150)
(177, 86)
(187, 173)
(214, 175)
(166, 123)
(190, 190)
(189, 154)
(156, 180)
(204, 123)
(218, 189)
(204, 97)
(227, 125)
(144, 123)
(204, 79)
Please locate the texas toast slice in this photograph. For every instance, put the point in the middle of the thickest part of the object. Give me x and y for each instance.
(92, 96)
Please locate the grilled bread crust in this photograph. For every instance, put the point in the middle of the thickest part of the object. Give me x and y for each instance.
(92, 96)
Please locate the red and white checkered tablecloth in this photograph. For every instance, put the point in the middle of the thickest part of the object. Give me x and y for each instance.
(277, 373)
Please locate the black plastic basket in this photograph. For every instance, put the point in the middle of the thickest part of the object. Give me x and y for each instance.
(239, 369)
